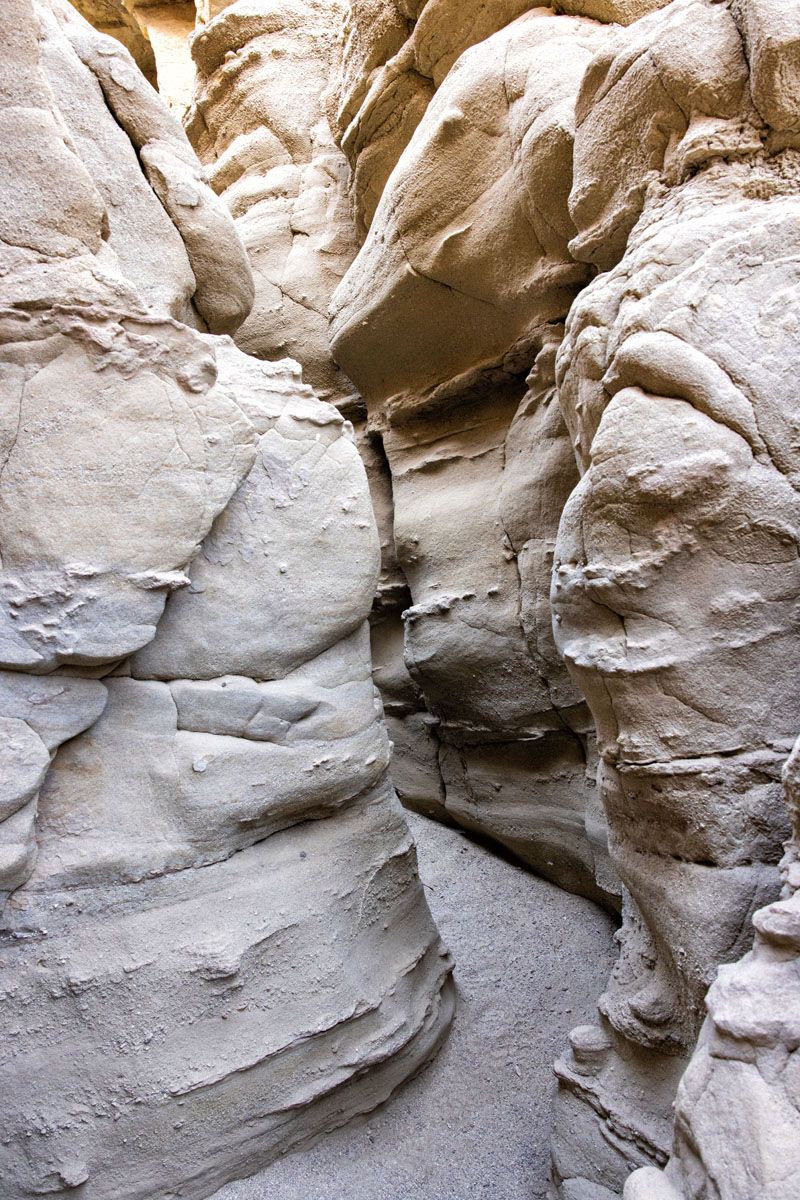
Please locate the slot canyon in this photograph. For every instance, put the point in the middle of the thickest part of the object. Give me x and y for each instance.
(399, 600)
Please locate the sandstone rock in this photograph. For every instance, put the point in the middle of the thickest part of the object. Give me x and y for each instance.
(672, 589)
(463, 278)
(259, 123)
(737, 1120)
(119, 19)
(621, 12)
(397, 53)
(216, 945)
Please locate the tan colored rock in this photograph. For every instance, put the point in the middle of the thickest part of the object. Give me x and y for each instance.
(737, 1119)
(259, 124)
(463, 278)
(620, 12)
(397, 53)
(120, 19)
(771, 33)
(214, 933)
(672, 589)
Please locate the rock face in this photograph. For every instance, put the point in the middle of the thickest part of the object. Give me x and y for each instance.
(214, 937)
(737, 1118)
(259, 124)
(662, 158)
(676, 569)
(462, 283)
(119, 19)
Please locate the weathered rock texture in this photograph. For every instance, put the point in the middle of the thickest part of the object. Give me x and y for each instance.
(259, 123)
(737, 1118)
(662, 158)
(119, 19)
(676, 565)
(462, 283)
(215, 944)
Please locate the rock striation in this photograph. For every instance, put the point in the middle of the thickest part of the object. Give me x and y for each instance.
(737, 1118)
(616, 208)
(259, 124)
(458, 292)
(214, 937)
(674, 382)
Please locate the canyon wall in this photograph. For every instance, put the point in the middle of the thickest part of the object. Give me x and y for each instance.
(634, 189)
(214, 941)
(507, 756)
(737, 1113)
(570, 327)
(560, 254)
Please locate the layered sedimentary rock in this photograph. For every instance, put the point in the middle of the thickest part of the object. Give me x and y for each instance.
(119, 19)
(462, 282)
(676, 565)
(737, 1114)
(396, 55)
(215, 939)
(259, 123)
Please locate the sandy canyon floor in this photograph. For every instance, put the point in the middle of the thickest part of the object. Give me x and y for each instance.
(530, 962)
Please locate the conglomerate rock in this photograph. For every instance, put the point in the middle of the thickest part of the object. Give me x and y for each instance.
(215, 944)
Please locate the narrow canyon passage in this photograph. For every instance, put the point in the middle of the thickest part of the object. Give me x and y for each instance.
(399, 562)
(530, 960)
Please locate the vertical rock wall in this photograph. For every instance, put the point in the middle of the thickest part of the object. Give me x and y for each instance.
(572, 326)
(661, 158)
(214, 942)
(737, 1116)
(460, 288)
(676, 568)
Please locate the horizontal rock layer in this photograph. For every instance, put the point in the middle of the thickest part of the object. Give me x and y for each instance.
(214, 938)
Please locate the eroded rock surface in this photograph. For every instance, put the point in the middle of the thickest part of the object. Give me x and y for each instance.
(215, 944)
(660, 157)
(259, 122)
(461, 284)
(737, 1118)
(676, 563)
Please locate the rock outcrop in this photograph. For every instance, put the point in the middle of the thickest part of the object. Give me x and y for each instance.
(462, 283)
(676, 564)
(737, 1114)
(259, 124)
(662, 158)
(214, 937)
(119, 19)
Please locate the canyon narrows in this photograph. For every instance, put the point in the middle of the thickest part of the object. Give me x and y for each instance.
(419, 418)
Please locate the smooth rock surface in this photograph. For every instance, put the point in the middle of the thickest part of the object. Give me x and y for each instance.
(215, 944)
(475, 1122)
(259, 123)
(457, 293)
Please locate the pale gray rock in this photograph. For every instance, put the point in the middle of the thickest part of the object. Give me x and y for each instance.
(117, 452)
(737, 1118)
(216, 946)
(676, 558)
(463, 279)
(259, 123)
